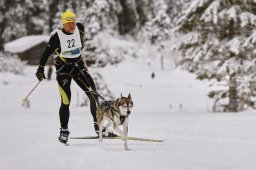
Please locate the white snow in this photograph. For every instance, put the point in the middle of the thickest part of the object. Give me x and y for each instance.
(247, 18)
(234, 45)
(251, 40)
(232, 12)
(211, 13)
(173, 106)
(24, 43)
(191, 38)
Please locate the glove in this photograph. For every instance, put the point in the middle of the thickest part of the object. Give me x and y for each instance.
(40, 73)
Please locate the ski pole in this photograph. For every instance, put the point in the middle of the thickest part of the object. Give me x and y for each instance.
(25, 99)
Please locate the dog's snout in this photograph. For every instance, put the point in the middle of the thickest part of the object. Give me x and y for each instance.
(128, 112)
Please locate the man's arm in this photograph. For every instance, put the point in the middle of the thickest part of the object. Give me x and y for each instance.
(81, 31)
(53, 44)
(81, 63)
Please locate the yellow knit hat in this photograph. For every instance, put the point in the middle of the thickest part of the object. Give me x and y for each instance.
(68, 16)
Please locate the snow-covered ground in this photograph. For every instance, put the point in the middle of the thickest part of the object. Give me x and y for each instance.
(172, 106)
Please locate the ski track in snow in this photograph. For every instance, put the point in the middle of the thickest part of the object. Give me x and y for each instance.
(195, 139)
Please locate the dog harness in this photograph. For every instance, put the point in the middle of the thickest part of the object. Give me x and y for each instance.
(122, 118)
(110, 106)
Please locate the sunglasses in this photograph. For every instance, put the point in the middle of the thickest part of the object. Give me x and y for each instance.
(70, 19)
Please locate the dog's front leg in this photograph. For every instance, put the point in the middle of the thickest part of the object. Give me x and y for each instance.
(125, 126)
(120, 132)
(100, 131)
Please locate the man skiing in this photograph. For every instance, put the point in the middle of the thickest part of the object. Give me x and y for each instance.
(66, 45)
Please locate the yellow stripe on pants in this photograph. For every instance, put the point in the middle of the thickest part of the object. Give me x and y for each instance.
(63, 96)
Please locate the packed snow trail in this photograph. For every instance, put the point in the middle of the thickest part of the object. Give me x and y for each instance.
(195, 139)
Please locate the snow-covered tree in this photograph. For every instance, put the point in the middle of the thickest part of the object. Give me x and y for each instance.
(56, 20)
(157, 29)
(97, 16)
(175, 9)
(2, 21)
(38, 16)
(23, 17)
(128, 18)
(219, 45)
(15, 26)
(11, 63)
(94, 16)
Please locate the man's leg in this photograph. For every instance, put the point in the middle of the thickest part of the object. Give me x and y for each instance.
(85, 81)
(64, 82)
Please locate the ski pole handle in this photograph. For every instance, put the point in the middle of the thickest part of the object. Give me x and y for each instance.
(25, 99)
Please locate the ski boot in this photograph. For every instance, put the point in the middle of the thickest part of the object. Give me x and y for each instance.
(64, 134)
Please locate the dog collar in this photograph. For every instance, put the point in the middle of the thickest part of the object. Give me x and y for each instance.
(115, 110)
(122, 118)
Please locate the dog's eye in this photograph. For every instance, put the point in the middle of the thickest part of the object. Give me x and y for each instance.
(124, 106)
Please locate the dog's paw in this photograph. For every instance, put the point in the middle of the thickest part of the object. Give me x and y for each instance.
(105, 133)
(100, 140)
(127, 148)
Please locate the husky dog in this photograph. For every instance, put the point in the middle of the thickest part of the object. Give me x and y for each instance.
(117, 113)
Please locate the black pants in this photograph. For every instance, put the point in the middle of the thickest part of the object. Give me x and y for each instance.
(65, 74)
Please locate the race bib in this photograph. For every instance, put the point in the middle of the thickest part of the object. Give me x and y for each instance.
(70, 44)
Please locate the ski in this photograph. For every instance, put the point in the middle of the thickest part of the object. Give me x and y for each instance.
(118, 137)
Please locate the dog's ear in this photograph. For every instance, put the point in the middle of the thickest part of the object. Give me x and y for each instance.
(129, 96)
(118, 100)
(121, 95)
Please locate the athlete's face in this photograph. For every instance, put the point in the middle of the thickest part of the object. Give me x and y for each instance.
(69, 27)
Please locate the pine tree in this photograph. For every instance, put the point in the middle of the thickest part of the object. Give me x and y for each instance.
(145, 10)
(53, 9)
(24, 17)
(11, 63)
(93, 16)
(128, 17)
(218, 45)
(175, 9)
(15, 26)
(158, 29)
(56, 20)
(2, 21)
(38, 17)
